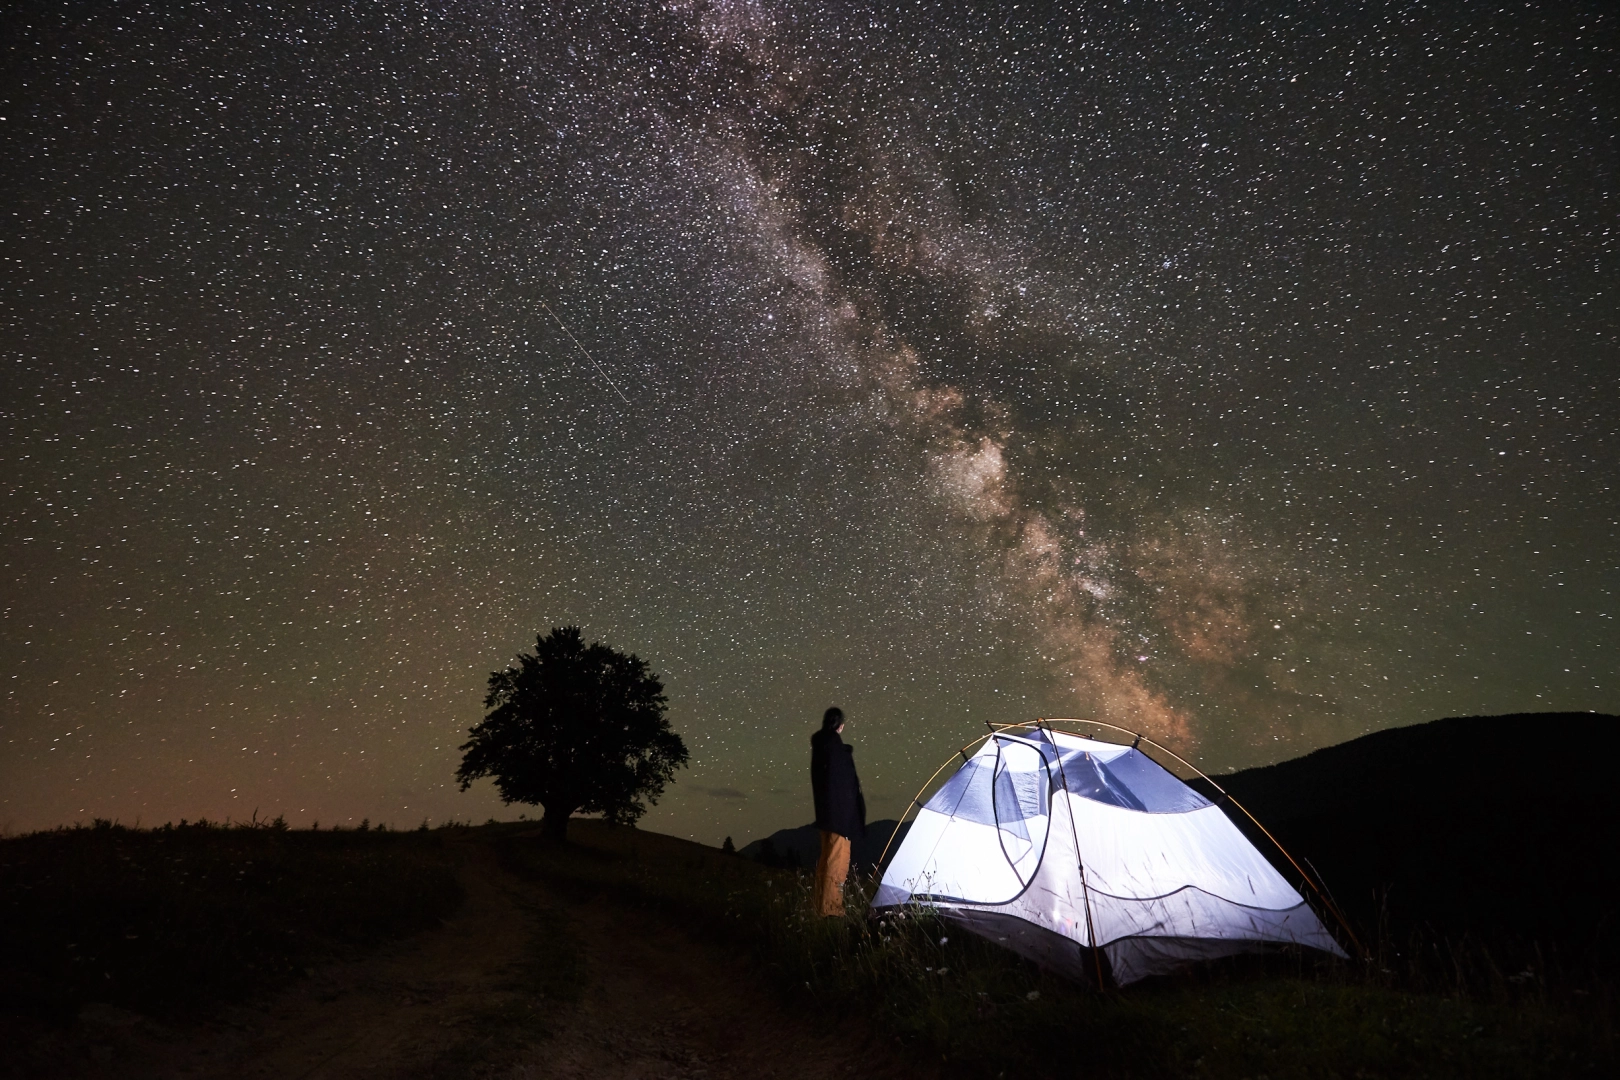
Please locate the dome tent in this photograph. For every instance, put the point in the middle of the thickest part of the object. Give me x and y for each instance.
(1054, 844)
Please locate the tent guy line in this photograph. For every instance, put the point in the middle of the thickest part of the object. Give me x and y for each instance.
(599, 368)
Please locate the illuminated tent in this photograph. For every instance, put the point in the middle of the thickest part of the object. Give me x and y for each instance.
(1053, 844)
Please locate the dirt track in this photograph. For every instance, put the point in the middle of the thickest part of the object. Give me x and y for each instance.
(478, 997)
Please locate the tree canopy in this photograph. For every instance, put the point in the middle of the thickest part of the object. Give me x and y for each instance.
(574, 727)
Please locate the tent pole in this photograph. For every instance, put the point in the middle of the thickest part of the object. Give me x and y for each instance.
(914, 803)
(996, 814)
(1308, 879)
(1080, 863)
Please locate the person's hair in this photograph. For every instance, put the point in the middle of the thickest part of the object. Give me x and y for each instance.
(832, 718)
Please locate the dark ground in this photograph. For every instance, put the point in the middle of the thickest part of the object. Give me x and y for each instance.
(1475, 856)
(522, 980)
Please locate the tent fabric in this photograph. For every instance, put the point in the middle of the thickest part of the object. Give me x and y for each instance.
(1131, 779)
(1076, 843)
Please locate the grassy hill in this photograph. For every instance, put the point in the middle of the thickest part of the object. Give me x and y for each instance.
(174, 918)
(169, 921)
(1488, 837)
(962, 1007)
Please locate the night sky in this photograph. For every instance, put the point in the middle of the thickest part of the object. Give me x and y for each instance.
(1247, 375)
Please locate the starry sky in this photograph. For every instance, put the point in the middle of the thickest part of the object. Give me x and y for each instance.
(1242, 374)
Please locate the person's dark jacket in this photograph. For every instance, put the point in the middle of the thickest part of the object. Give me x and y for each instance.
(840, 806)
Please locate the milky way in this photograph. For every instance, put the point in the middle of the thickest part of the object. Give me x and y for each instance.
(1246, 376)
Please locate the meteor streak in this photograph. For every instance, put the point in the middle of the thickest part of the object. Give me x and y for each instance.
(599, 368)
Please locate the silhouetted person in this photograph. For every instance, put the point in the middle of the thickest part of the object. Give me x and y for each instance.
(840, 809)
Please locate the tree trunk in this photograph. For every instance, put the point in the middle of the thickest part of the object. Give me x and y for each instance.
(554, 824)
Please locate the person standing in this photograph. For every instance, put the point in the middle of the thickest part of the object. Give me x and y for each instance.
(840, 809)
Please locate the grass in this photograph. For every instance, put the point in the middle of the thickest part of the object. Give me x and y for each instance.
(951, 997)
(164, 920)
(173, 919)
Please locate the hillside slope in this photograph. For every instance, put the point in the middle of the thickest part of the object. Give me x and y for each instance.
(1498, 827)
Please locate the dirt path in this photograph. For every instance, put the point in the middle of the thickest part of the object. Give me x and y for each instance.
(521, 984)
(660, 1005)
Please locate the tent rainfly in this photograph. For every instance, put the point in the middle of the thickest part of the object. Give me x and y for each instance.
(1053, 844)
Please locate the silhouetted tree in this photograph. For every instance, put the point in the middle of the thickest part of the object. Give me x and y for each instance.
(574, 727)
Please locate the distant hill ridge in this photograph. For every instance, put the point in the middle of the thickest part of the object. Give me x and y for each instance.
(1484, 755)
(802, 846)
